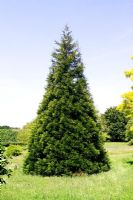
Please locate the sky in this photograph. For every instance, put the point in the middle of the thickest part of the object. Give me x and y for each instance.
(28, 30)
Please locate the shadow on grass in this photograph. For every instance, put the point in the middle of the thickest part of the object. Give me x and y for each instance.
(130, 162)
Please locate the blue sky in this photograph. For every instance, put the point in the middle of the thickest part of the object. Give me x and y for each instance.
(28, 29)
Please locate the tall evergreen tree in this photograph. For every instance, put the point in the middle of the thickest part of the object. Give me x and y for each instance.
(66, 138)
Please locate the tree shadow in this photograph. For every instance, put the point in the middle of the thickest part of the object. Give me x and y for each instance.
(130, 162)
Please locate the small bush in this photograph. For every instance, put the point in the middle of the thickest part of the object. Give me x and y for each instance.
(131, 142)
(3, 162)
(13, 150)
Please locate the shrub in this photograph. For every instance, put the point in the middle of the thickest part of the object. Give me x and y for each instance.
(131, 142)
(13, 150)
(129, 130)
(3, 162)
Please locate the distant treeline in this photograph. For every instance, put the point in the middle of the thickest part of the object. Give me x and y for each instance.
(8, 135)
(8, 127)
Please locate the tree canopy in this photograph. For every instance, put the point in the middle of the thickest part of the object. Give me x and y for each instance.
(116, 122)
(127, 105)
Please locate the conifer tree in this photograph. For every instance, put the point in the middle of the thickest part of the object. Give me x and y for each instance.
(66, 139)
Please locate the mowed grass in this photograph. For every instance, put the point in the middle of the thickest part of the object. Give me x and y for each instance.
(116, 184)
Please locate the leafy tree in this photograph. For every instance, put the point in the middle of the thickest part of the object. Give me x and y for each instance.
(116, 124)
(104, 128)
(3, 162)
(66, 137)
(25, 133)
(127, 106)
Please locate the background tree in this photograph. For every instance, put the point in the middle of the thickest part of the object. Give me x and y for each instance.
(25, 133)
(104, 128)
(116, 124)
(127, 106)
(66, 137)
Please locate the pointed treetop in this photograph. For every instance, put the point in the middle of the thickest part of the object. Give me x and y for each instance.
(66, 33)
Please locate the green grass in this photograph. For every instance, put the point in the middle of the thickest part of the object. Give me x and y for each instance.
(117, 184)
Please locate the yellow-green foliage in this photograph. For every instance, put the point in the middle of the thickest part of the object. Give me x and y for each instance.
(127, 105)
(13, 150)
(26, 132)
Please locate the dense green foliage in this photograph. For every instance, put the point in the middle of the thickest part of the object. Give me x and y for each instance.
(116, 124)
(13, 150)
(66, 138)
(8, 135)
(3, 162)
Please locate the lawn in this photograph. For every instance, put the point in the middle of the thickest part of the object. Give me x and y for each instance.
(117, 184)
